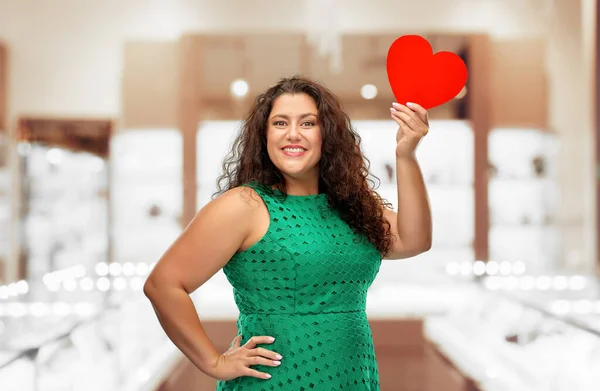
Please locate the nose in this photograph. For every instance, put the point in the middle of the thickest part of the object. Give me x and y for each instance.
(293, 133)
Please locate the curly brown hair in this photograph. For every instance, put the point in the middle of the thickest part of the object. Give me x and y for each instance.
(343, 170)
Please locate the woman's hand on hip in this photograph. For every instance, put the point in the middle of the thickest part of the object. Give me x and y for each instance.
(236, 361)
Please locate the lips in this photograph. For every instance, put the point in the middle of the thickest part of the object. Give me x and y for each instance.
(293, 150)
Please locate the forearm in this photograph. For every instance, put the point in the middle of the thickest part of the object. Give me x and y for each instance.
(414, 213)
(177, 316)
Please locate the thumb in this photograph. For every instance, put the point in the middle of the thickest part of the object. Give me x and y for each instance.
(237, 341)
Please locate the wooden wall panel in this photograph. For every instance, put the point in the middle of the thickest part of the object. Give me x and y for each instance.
(519, 83)
(150, 85)
(5, 142)
(480, 104)
(596, 119)
(3, 88)
(189, 113)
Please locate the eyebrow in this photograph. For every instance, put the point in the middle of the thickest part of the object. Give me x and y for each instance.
(287, 116)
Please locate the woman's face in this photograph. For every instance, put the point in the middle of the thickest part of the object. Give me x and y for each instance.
(294, 136)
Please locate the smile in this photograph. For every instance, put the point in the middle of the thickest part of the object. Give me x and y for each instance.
(294, 151)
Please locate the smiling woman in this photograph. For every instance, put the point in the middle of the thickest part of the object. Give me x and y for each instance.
(300, 235)
(294, 141)
(299, 111)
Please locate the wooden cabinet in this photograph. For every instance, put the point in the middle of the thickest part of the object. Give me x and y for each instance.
(519, 83)
(3, 88)
(441, 374)
(5, 186)
(150, 85)
(399, 347)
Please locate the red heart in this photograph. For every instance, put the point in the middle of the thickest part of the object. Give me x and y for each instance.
(417, 75)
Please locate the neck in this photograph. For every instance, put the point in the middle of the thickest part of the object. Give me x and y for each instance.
(300, 188)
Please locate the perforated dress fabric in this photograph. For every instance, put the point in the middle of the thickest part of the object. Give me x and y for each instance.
(305, 283)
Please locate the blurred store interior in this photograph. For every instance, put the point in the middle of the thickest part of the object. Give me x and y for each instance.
(115, 118)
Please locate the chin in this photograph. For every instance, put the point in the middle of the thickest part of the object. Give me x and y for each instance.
(300, 174)
(296, 169)
(296, 174)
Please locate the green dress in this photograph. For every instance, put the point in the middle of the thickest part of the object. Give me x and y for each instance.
(305, 283)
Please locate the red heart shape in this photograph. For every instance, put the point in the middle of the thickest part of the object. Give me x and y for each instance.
(417, 75)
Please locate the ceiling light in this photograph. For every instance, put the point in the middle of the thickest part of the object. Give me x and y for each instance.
(54, 156)
(368, 91)
(239, 88)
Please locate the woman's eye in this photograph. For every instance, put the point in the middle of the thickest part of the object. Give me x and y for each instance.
(283, 123)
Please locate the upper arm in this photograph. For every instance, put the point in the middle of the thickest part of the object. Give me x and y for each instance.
(208, 242)
(398, 249)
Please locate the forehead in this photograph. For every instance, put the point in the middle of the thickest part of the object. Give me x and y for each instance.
(291, 104)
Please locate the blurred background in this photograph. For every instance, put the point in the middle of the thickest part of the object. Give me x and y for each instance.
(115, 117)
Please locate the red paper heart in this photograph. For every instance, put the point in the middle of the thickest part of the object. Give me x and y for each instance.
(419, 76)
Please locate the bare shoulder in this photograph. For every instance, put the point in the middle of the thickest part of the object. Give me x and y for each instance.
(241, 197)
(239, 202)
(214, 235)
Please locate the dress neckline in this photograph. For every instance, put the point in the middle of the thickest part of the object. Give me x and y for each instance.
(306, 196)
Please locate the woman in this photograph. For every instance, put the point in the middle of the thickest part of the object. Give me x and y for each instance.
(300, 235)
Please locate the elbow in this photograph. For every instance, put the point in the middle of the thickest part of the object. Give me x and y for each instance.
(421, 247)
(149, 288)
(418, 250)
(426, 240)
(158, 286)
(152, 289)
(427, 245)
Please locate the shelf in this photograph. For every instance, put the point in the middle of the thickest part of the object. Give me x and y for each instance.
(504, 343)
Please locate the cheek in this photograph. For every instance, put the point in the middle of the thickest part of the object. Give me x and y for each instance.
(271, 153)
(318, 142)
(270, 143)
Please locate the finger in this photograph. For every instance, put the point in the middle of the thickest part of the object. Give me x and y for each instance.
(420, 110)
(257, 360)
(404, 120)
(252, 342)
(418, 117)
(254, 373)
(406, 109)
(414, 125)
(409, 120)
(237, 341)
(403, 128)
(265, 353)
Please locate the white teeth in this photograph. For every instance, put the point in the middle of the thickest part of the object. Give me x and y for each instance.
(293, 149)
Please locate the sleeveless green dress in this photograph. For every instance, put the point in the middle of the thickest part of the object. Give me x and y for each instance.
(305, 283)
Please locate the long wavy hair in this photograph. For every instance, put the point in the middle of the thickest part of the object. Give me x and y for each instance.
(343, 170)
